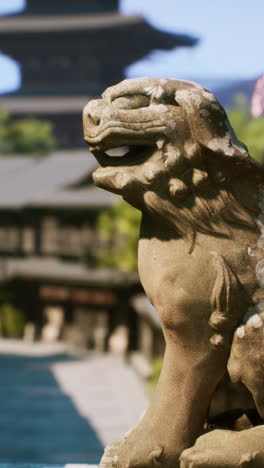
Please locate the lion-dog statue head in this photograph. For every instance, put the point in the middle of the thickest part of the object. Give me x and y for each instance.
(179, 145)
(200, 252)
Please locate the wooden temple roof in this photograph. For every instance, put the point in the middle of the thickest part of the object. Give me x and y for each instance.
(53, 181)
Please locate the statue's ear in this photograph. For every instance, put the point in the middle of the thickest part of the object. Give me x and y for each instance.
(225, 143)
(208, 122)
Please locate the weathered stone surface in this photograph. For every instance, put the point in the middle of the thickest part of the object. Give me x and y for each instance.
(201, 264)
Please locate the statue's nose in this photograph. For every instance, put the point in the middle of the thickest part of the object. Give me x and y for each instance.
(93, 112)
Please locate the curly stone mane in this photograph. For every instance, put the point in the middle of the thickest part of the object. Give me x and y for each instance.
(209, 206)
(205, 198)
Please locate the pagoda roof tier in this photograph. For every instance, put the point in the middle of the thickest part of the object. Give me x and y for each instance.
(46, 23)
(43, 105)
(38, 24)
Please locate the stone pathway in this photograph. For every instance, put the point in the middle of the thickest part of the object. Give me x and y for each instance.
(106, 392)
(60, 408)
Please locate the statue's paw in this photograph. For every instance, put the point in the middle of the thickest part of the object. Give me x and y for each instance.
(226, 449)
(205, 452)
(139, 449)
(110, 456)
(142, 447)
(195, 458)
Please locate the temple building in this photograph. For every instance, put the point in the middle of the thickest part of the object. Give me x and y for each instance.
(48, 244)
(70, 51)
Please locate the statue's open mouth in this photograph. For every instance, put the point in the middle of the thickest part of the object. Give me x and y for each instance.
(117, 156)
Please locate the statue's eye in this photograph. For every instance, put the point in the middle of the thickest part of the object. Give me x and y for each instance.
(131, 102)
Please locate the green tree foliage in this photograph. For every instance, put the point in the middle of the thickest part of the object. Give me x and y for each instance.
(31, 136)
(3, 129)
(12, 321)
(118, 229)
(25, 136)
(248, 129)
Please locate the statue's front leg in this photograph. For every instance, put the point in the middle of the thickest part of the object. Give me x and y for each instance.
(158, 438)
(198, 338)
(179, 408)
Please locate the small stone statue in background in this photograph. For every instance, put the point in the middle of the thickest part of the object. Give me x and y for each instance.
(201, 263)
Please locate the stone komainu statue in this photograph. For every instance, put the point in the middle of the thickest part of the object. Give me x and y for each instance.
(201, 263)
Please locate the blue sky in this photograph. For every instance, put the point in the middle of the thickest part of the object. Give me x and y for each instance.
(231, 34)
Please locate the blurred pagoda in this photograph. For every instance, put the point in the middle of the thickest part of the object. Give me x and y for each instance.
(70, 51)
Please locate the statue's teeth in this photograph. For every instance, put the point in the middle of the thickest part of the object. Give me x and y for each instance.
(160, 144)
(119, 151)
